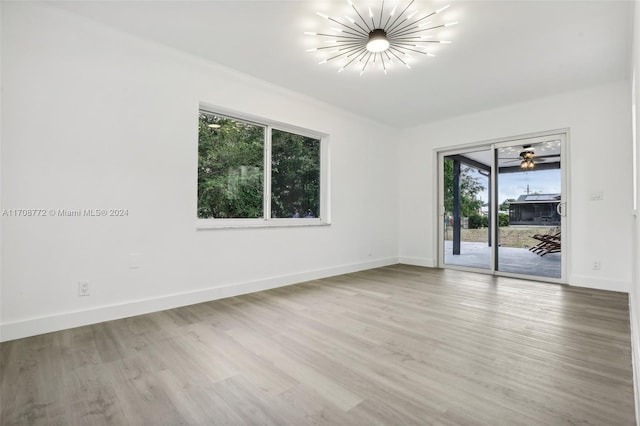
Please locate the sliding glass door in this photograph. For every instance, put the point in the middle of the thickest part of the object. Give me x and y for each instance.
(465, 210)
(502, 207)
(530, 202)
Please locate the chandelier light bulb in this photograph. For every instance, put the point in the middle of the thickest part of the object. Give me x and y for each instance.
(527, 164)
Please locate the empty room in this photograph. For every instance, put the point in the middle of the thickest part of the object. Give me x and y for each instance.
(327, 212)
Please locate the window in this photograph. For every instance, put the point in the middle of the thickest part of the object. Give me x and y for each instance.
(295, 175)
(258, 174)
(230, 169)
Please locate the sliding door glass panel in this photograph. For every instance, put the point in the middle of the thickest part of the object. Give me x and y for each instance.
(529, 202)
(466, 214)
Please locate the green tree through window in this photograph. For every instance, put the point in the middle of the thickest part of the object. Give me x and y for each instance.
(230, 169)
(470, 187)
(295, 175)
(231, 174)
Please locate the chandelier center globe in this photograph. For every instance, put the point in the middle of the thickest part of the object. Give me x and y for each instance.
(378, 41)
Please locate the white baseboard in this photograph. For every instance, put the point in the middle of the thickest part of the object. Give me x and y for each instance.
(599, 283)
(418, 261)
(46, 324)
(635, 358)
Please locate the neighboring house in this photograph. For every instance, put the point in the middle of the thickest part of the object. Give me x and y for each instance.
(535, 209)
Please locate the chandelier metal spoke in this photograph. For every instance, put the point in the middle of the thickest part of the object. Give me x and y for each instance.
(361, 18)
(422, 52)
(353, 21)
(366, 63)
(361, 32)
(351, 61)
(413, 23)
(358, 48)
(398, 58)
(400, 15)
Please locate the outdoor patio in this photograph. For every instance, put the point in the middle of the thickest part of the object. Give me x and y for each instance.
(515, 260)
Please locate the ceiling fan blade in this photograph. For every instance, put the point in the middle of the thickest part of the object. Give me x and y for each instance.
(547, 156)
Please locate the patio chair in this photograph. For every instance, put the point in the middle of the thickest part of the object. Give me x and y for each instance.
(549, 243)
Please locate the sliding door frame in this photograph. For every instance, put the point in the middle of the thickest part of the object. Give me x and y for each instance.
(493, 145)
(440, 210)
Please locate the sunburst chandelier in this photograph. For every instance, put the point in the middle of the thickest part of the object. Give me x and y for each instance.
(382, 38)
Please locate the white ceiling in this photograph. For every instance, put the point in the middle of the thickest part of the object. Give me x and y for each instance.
(502, 52)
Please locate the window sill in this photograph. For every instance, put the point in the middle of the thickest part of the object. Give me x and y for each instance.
(204, 224)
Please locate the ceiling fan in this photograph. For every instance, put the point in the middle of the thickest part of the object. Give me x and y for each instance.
(528, 158)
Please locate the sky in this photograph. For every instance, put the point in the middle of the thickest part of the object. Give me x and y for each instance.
(513, 185)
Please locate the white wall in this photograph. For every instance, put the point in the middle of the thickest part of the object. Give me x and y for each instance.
(600, 159)
(634, 291)
(95, 118)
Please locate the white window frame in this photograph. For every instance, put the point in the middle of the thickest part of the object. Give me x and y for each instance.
(266, 221)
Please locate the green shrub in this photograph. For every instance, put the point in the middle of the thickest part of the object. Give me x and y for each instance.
(503, 219)
(478, 221)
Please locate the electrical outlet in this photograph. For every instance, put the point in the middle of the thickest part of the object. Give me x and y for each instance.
(596, 265)
(83, 288)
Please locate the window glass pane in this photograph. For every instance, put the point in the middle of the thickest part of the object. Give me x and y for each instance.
(230, 168)
(295, 175)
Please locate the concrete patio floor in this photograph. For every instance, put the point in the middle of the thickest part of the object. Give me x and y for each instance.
(514, 260)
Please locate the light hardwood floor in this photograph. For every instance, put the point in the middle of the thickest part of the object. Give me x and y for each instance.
(398, 345)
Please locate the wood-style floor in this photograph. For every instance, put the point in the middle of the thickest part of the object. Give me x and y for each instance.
(398, 345)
